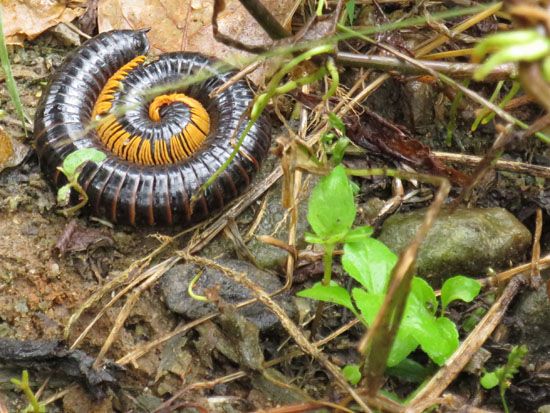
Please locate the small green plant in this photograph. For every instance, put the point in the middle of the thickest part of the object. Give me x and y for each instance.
(335, 140)
(521, 45)
(503, 375)
(368, 261)
(34, 405)
(71, 168)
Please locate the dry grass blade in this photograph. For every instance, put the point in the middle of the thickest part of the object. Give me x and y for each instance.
(441, 380)
(132, 271)
(153, 274)
(499, 165)
(496, 280)
(535, 279)
(439, 40)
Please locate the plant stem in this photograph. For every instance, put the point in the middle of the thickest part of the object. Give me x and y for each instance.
(503, 399)
(327, 275)
(268, 22)
(327, 263)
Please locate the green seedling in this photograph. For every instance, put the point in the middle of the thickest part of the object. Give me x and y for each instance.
(335, 139)
(503, 375)
(34, 405)
(71, 168)
(368, 261)
(516, 46)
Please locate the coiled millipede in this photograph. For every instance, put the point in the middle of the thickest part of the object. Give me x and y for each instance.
(160, 150)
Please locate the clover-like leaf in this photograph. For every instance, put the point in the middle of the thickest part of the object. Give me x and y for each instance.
(78, 158)
(489, 380)
(352, 373)
(459, 288)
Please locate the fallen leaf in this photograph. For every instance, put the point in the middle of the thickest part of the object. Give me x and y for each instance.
(186, 25)
(12, 152)
(375, 133)
(26, 19)
(77, 238)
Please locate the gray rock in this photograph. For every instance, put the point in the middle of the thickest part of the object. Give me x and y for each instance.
(175, 282)
(275, 223)
(467, 242)
(532, 315)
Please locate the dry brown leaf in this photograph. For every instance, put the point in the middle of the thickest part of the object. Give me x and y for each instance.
(26, 19)
(186, 24)
(12, 152)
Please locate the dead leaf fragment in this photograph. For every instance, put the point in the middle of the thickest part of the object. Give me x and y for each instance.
(12, 152)
(186, 25)
(26, 19)
(76, 238)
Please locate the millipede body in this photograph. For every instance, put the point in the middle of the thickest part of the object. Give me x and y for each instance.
(161, 147)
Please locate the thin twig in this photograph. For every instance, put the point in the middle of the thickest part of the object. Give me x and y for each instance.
(455, 69)
(265, 19)
(499, 165)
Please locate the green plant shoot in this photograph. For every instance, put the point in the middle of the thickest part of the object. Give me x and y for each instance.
(368, 261)
(503, 375)
(24, 385)
(71, 167)
(516, 46)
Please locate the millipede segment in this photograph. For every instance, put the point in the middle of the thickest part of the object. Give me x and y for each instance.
(164, 148)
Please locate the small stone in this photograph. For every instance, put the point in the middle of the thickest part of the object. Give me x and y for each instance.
(467, 242)
(175, 283)
(531, 316)
(477, 362)
(67, 36)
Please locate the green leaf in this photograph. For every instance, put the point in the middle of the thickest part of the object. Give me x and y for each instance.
(331, 208)
(425, 294)
(368, 303)
(78, 158)
(339, 150)
(350, 11)
(313, 239)
(336, 123)
(411, 371)
(352, 373)
(438, 338)
(359, 234)
(331, 293)
(370, 263)
(459, 288)
(489, 380)
(404, 344)
(64, 195)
